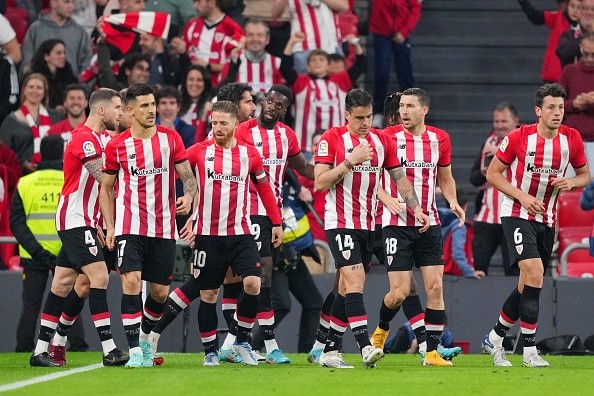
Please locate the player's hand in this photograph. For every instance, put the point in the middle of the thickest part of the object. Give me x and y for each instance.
(393, 205)
(458, 211)
(110, 238)
(101, 236)
(305, 195)
(100, 23)
(277, 236)
(360, 154)
(186, 233)
(184, 204)
(563, 183)
(422, 218)
(478, 274)
(532, 205)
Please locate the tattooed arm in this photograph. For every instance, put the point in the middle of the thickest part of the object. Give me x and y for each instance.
(94, 168)
(184, 204)
(407, 191)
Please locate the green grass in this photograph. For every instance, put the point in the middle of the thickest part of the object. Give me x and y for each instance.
(183, 374)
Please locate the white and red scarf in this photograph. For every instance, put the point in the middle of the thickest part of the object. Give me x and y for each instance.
(38, 131)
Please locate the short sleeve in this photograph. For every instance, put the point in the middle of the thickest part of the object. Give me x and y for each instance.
(445, 151)
(506, 152)
(256, 166)
(180, 150)
(391, 155)
(577, 156)
(192, 155)
(326, 150)
(85, 147)
(294, 148)
(110, 158)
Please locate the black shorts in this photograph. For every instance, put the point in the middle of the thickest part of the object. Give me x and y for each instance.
(214, 254)
(262, 232)
(406, 247)
(80, 247)
(528, 239)
(154, 257)
(350, 247)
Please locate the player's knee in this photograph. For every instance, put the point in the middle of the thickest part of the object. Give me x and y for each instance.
(209, 296)
(131, 283)
(434, 290)
(251, 285)
(396, 296)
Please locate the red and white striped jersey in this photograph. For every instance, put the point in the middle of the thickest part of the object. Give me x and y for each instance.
(319, 104)
(319, 23)
(79, 199)
(420, 156)
(352, 202)
(145, 190)
(260, 75)
(491, 205)
(535, 162)
(212, 43)
(275, 146)
(223, 187)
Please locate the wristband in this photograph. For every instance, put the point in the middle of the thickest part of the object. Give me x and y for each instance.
(348, 164)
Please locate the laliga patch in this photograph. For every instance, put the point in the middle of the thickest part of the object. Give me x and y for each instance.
(89, 148)
(519, 249)
(504, 144)
(346, 254)
(323, 148)
(93, 250)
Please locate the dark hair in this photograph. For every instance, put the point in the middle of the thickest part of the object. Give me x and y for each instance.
(317, 52)
(587, 36)
(421, 94)
(186, 102)
(392, 105)
(123, 96)
(167, 91)
(357, 98)
(336, 58)
(137, 90)
(283, 90)
(225, 106)
(130, 62)
(318, 132)
(58, 80)
(51, 148)
(555, 90)
(507, 105)
(257, 22)
(102, 95)
(76, 87)
(233, 92)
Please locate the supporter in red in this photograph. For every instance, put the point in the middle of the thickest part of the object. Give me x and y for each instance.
(196, 91)
(392, 22)
(568, 49)
(318, 19)
(319, 98)
(24, 128)
(578, 81)
(209, 39)
(559, 22)
(75, 104)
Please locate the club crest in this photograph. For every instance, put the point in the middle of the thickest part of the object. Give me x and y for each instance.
(346, 254)
(519, 249)
(93, 250)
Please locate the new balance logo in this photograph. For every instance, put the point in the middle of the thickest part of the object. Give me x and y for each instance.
(132, 156)
(210, 158)
(402, 146)
(531, 154)
(259, 144)
(349, 150)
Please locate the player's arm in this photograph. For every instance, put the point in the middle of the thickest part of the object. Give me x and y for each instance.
(266, 194)
(391, 203)
(408, 193)
(107, 205)
(327, 177)
(184, 171)
(448, 189)
(300, 164)
(496, 178)
(581, 180)
(94, 166)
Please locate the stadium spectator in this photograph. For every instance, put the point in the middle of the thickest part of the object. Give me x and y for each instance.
(58, 24)
(50, 61)
(196, 92)
(568, 49)
(566, 18)
(10, 56)
(181, 12)
(529, 212)
(134, 70)
(317, 19)
(24, 128)
(488, 231)
(578, 81)
(209, 39)
(162, 70)
(392, 22)
(32, 221)
(33, 8)
(86, 13)
(319, 98)
(168, 101)
(75, 105)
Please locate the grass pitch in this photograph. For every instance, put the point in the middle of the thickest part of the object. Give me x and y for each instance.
(183, 374)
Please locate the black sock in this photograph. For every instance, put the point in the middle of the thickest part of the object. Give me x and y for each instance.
(231, 293)
(266, 315)
(247, 309)
(413, 310)
(386, 315)
(207, 324)
(50, 316)
(151, 314)
(324, 326)
(338, 324)
(355, 311)
(434, 322)
(177, 301)
(529, 314)
(510, 313)
(73, 305)
(131, 317)
(101, 318)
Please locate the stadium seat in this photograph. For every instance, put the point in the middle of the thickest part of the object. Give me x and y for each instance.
(574, 225)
